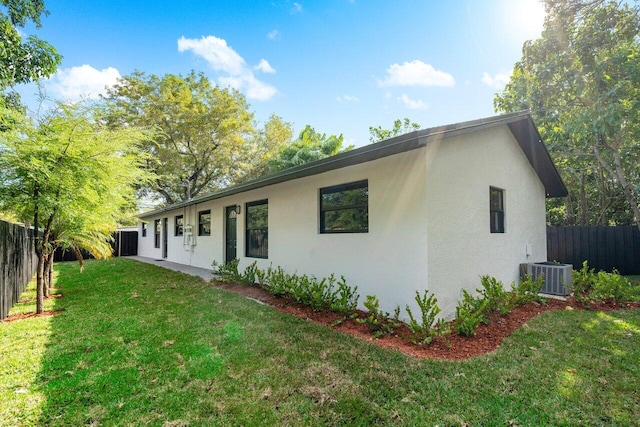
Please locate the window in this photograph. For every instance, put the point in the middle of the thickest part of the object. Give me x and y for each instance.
(496, 209)
(156, 232)
(257, 235)
(204, 223)
(345, 208)
(144, 229)
(178, 228)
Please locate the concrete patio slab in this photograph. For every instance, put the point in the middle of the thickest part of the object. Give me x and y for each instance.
(204, 273)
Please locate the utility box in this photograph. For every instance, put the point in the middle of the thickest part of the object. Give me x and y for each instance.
(558, 278)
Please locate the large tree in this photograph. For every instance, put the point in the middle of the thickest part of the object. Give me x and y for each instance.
(308, 147)
(400, 127)
(70, 177)
(207, 139)
(22, 61)
(581, 82)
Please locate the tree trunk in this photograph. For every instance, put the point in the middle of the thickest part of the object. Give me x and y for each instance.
(40, 284)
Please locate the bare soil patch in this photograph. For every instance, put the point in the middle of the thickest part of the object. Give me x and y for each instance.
(30, 315)
(452, 347)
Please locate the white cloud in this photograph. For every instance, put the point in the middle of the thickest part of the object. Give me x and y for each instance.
(296, 8)
(223, 58)
(265, 67)
(498, 81)
(74, 83)
(347, 99)
(273, 35)
(216, 52)
(416, 73)
(414, 104)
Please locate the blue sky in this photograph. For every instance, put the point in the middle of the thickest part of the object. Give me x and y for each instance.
(337, 65)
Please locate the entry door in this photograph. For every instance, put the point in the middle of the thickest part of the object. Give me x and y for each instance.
(231, 233)
(165, 232)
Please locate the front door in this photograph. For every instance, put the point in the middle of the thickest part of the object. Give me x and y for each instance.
(165, 232)
(231, 233)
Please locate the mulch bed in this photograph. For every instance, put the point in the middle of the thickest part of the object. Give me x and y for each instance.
(451, 347)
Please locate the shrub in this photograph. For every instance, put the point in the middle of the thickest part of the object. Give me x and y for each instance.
(583, 281)
(424, 331)
(469, 313)
(376, 318)
(250, 274)
(497, 299)
(228, 271)
(346, 298)
(611, 287)
(527, 291)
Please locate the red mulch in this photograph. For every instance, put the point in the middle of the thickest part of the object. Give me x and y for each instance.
(29, 315)
(451, 347)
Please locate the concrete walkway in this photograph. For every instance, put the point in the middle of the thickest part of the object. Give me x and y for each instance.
(205, 273)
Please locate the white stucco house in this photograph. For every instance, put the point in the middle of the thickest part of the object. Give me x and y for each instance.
(433, 209)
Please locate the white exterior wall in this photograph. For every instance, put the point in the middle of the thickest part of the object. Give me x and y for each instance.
(428, 222)
(462, 248)
(389, 261)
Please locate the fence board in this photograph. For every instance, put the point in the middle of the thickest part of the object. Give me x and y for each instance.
(605, 248)
(17, 264)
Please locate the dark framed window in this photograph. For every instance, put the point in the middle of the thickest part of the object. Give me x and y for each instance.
(178, 228)
(345, 208)
(204, 223)
(257, 229)
(156, 233)
(144, 229)
(496, 209)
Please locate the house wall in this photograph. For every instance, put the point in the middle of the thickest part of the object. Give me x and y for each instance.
(389, 261)
(462, 248)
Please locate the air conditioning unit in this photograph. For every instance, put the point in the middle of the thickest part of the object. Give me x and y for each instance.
(558, 278)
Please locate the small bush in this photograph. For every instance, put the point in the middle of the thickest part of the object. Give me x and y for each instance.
(376, 318)
(227, 271)
(345, 298)
(469, 313)
(527, 291)
(497, 299)
(250, 274)
(424, 331)
(583, 281)
(611, 287)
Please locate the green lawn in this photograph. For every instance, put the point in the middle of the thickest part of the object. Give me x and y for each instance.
(140, 345)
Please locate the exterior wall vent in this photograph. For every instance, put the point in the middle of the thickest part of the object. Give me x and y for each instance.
(558, 278)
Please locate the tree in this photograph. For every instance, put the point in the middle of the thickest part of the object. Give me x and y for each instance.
(23, 61)
(205, 133)
(308, 147)
(400, 127)
(581, 82)
(70, 177)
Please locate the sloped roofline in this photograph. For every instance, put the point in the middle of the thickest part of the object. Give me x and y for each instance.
(520, 124)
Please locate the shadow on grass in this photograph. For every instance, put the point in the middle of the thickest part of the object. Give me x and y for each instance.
(138, 345)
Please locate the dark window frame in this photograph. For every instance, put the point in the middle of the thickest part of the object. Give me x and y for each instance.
(178, 225)
(496, 210)
(253, 234)
(201, 223)
(359, 206)
(156, 232)
(144, 229)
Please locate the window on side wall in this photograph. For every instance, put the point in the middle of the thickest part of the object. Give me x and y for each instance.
(496, 210)
(144, 229)
(345, 208)
(156, 233)
(257, 229)
(204, 223)
(178, 228)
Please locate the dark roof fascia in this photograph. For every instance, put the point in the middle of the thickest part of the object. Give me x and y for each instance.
(368, 153)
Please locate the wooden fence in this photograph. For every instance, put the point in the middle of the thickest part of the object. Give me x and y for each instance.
(125, 243)
(605, 248)
(18, 264)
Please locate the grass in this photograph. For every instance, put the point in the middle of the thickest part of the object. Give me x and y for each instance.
(140, 345)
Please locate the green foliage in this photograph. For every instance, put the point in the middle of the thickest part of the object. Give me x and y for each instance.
(497, 298)
(581, 82)
(308, 147)
(400, 127)
(611, 287)
(228, 271)
(583, 281)
(376, 319)
(23, 61)
(470, 312)
(345, 298)
(527, 291)
(207, 139)
(427, 328)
